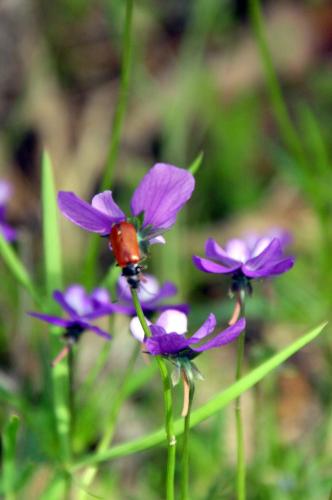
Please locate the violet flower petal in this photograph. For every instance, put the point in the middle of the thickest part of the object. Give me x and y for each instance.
(5, 192)
(271, 269)
(59, 297)
(157, 240)
(161, 194)
(271, 252)
(97, 330)
(237, 250)
(53, 320)
(136, 328)
(212, 267)
(104, 203)
(173, 321)
(207, 327)
(165, 345)
(77, 298)
(216, 252)
(224, 337)
(84, 215)
(8, 232)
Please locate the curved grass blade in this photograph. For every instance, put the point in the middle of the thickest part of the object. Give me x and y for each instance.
(17, 268)
(210, 408)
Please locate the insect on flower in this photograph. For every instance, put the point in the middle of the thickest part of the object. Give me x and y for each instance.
(154, 206)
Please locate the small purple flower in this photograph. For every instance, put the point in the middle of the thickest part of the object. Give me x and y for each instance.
(8, 232)
(81, 309)
(169, 335)
(154, 206)
(246, 259)
(150, 295)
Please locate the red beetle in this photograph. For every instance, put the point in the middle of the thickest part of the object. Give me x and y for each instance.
(124, 242)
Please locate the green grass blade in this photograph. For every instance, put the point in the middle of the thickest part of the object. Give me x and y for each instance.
(53, 280)
(9, 451)
(17, 268)
(51, 238)
(213, 406)
(196, 164)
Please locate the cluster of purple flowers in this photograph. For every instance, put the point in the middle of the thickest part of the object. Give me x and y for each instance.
(155, 204)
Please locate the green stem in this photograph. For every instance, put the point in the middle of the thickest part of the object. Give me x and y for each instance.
(118, 120)
(107, 438)
(168, 404)
(185, 452)
(241, 468)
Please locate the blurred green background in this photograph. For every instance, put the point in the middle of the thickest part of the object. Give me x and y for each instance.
(198, 83)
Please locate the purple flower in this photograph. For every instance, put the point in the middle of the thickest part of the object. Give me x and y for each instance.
(169, 335)
(8, 232)
(154, 206)
(150, 295)
(81, 309)
(246, 259)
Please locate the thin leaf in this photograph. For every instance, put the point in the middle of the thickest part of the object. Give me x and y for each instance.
(17, 268)
(52, 248)
(53, 280)
(213, 406)
(196, 164)
(9, 451)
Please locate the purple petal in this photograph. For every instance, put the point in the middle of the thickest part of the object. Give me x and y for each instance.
(161, 194)
(8, 232)
(271, 269)
(207, 327)
(166, 345)
(224, 337)
(98, 331)
(211, 267)
(173, 321)
(78, 300)
(59, 297)
(104, 203)
(216, 252)
(177, 307)
(237, 249)
(54, 320)
(136, 328)
(101, 296)
(5, 192)
(84, 215)
(271, 252)
(157, 240)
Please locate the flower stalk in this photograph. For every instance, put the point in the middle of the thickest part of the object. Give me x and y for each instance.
(239, 310)
(189, 389)
(168, 404)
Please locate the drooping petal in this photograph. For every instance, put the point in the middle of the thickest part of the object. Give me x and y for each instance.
(103, 202)
(271, 252)
(84, 215)
(161, 194)
(98, 331)
(237, 249)
(216, 252)
(271, 269)
(224, 337)
(173, 321)
(59, 297)
(53, 320)
(166, 345)
(212, 267)
(207, 327)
